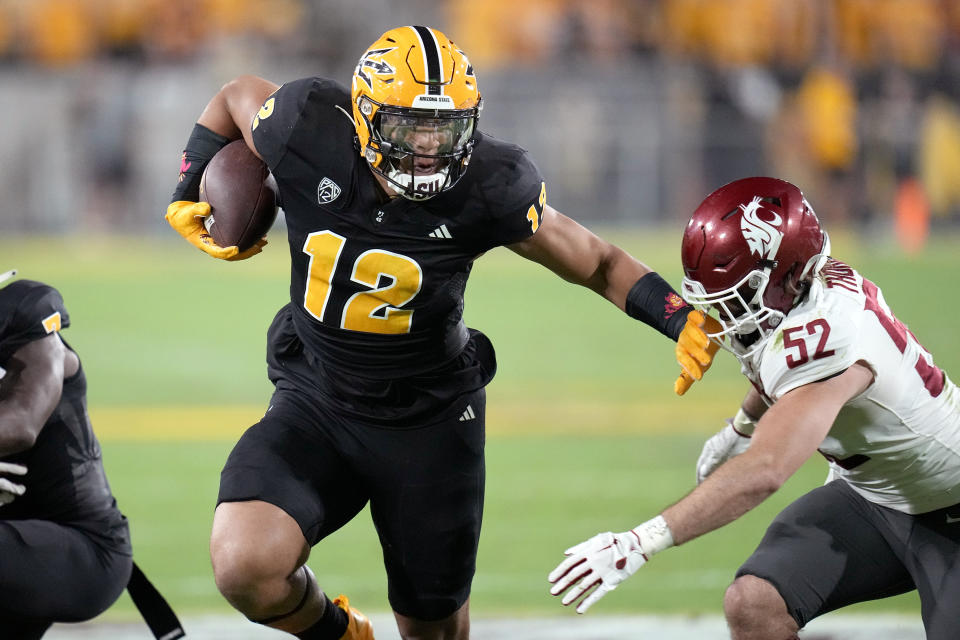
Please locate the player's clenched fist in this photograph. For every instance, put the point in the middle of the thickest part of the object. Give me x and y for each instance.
(695, 350)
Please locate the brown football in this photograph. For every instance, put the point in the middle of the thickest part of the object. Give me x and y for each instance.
(242, 196)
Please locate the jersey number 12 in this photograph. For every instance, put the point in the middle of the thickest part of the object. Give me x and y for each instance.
(375, 310)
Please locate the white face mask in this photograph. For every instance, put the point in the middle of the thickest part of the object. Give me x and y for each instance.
(9, 274)
(739, 315)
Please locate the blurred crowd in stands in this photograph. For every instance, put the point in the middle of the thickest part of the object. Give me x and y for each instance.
(856, 100)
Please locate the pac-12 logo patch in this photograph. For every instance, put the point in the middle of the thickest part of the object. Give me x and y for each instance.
(327, 191)
(52, 322)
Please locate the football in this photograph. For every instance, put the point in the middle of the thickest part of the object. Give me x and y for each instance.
(242, 196)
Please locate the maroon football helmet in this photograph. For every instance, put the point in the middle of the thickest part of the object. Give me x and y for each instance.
(748, 252)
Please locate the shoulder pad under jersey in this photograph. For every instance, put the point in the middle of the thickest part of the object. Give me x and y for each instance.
(505, 179)
(308, 108)
(29, 310)
(816, 340)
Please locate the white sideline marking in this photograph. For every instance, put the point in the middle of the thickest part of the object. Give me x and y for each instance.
(572, 627)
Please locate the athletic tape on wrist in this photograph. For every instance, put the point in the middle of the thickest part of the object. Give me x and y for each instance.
(743, 424)
(654, 535)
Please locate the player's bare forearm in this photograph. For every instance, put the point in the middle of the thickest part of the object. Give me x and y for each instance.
(30, 392)
(733, 489)
(787, 434)
(785, 437)
(231, 111)
(579, 256)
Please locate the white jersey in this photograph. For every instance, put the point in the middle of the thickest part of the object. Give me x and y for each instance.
(897, 443)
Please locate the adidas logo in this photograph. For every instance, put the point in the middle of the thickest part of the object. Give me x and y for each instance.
(468, 414)
(440, 232)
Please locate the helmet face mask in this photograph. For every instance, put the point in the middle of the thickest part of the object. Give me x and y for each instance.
(415, 109)
(749, 253)
(7, 275)
(746, 322)
(423, 153)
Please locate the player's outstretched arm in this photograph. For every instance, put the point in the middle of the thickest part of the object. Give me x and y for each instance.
(228, 116)
(30, 391)
(786, 436)
(578, 255)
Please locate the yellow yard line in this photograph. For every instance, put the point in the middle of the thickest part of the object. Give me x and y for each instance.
(503, 419)
(173, 423)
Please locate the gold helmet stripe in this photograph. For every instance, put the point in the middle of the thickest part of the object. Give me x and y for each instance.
(431, 59)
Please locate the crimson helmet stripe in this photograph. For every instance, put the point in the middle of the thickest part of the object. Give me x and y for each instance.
(431, 59)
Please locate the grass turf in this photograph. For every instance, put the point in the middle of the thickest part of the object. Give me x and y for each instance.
(585, 433)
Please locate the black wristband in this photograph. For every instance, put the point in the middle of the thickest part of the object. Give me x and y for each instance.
(653, 301)
(202, 145)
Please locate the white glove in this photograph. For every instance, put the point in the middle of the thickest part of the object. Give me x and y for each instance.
(723, 445)
(603, 561)
(10, 490)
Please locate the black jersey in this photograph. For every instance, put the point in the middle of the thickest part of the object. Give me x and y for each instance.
(65, 481)
(377, 285)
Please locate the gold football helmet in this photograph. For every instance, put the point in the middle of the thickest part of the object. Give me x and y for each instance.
(415, 109)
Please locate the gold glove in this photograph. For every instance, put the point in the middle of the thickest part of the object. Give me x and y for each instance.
(695, 350)
(187, 219)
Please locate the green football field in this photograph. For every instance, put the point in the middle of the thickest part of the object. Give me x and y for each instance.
(584, 431)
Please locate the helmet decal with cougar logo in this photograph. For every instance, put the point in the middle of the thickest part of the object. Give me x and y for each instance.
(762, 237)
(753, 268)
(415, 109)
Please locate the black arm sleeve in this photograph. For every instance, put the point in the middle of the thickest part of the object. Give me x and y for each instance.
(202, 145)
(653, 301)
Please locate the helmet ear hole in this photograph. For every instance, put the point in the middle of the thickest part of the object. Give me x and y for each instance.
(796, 284)
(792, 285)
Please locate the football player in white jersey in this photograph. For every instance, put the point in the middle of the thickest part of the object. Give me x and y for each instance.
(832, 371)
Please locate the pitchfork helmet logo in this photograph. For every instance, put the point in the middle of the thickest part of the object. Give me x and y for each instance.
(762, 236)
(372, 61)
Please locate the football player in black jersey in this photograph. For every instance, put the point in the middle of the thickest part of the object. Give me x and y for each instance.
(390, 193)
(65, 551)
